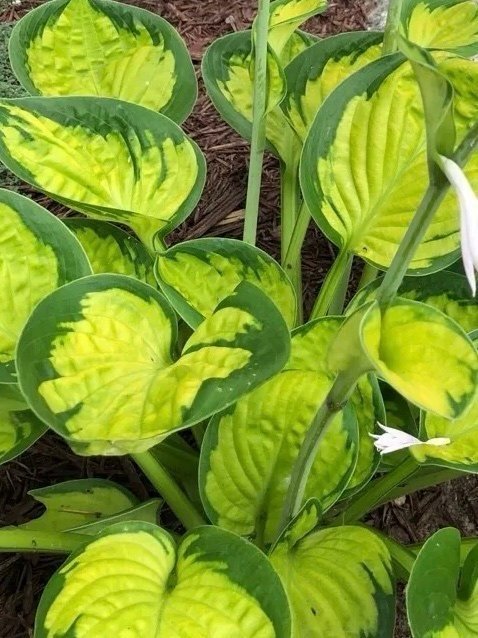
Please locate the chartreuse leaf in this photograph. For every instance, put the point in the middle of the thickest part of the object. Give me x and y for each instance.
(105, 49)
(196, 275)
(423, 354)
(133, 576)
(442, 24)
(147, 512)
(442, 601)
(364, 167)
(97, 361)
(228, 73)
(316, 71)
(462, 451)
(286, 16)
(447, 291)
(76, 503)
(309, 348)
(112, 250)
(317, 568)
(19, 427)
(37, 254)
(109, 159)
(249, 451)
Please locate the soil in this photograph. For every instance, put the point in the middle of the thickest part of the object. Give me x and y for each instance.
(220, 212)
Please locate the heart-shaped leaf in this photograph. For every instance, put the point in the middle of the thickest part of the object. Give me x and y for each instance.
(286, 16)
(364, 168)
(112, 250)
(442, 24)
(105, 49)
(249, 451)
(442, 602)
(339, 580)
(37, 254)
(423, 354)
(19, 427)
(196, 275)
(97, 361)
(315, 72)
(109, 159)
(447, 291)
(76, 503)
(133, 575)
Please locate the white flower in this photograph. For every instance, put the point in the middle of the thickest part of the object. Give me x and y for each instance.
(394, 440)
(468, 218)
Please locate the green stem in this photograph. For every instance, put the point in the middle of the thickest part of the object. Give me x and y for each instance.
(392, 27)
(169, 490)
(290, 214)
(338, 300)
(333, 403)
(25, 540)
(376, 492)
(337, 278)
(258, 139)
(369, 274)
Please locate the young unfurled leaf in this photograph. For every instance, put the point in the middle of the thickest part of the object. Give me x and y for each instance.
(97, 361)
(442, 601)
(228, 74)
(112, 250)
(286, 16)
(133, 575)
(316, 71)
(249, 451)
(442, 24)
(364, 168)
(105, 49)
(447, 291)
(423, 354)
(196, 275)
(109, 159)
(76, 503)
(19, 427)
(37, 254)
(339, 580)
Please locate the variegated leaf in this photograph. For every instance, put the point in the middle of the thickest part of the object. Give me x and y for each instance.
(19, 427)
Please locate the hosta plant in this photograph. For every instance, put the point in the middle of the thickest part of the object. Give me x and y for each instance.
(270, 436)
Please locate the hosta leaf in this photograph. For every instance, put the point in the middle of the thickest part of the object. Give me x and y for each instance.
(423, 354)
(112, 250)
(447, 291)
(37, 254)
(286, 16)
(97, 361)
(249, 451)
(442, 24)
(147, 512)
(318, 568)
(315, 72)
(133, 576)
(109, 159)
(76, 503)
(229, 77)
(364, 167)
(19, 427)
(309, 348)
(442, 602)
(105, 49)
(462, 451)
(196, 275)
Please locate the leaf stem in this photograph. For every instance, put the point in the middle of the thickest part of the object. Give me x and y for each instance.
(14, 539)
(291, 214)
(258, 139)
(392, 26)
(169, 490)
(334, 286)
(369, 274)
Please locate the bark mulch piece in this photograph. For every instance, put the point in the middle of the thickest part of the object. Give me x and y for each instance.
(22, 577)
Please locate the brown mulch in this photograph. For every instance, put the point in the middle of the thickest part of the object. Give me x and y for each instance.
(22, 577)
